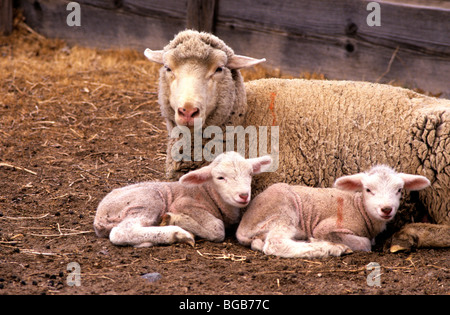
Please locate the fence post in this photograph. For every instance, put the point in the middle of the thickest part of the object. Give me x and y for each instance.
(200, 15)
(6, 17)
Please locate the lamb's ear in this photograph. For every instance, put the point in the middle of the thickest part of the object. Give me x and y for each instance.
(414, 182)
(260, 164)
(154, 55)
(239, 62)
(197, 177)
(350, 182)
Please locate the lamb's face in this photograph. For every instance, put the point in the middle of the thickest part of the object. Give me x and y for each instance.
(231, 175)
(381, 194)
(382, 189)
(232, 179)
(195, 86)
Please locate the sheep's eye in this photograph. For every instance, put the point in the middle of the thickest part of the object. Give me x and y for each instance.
(219, 69)
(399, 191)
(220, 178)
(168, 69)
(368, 190)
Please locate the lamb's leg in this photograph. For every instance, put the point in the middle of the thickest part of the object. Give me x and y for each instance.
(202, 224)
(281, 243)
(132, 231)
(420, 235)
(257, 244)
(326, 230)
(354, 242)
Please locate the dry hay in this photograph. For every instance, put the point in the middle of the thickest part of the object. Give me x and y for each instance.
(58, 96)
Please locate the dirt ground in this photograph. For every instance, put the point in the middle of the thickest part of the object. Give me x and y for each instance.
(76, 123)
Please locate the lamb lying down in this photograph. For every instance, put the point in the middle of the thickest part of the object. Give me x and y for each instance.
(202, 203)
(282, 219)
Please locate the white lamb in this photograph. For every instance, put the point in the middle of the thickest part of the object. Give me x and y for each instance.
(280, 220)
(202, 203)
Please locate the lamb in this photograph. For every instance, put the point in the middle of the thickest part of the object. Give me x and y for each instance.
(335, 220)
(204, 202)
(327, 129)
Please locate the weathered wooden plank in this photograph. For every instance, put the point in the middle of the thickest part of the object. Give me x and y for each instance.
(200, 15)
(426, 27)
(106, 26)
(443, 4)
(332, 37)
(165, 10)
(6, 17)
(105, 4)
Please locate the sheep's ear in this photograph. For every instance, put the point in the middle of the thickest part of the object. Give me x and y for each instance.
(351, 182)
(239, 62)
(260, 164)
(414, 182)
(154, 55)
(196, 177)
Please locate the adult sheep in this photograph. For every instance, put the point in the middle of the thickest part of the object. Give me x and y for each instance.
(327, 129)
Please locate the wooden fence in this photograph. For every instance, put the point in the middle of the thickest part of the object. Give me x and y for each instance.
(410, 47)
(6, 17)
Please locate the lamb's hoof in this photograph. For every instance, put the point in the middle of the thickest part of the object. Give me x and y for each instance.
(185, 238)
(397, 248)
(348, 251)
(165, 220)
(340, 249)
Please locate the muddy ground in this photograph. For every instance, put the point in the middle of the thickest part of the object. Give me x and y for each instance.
(76, 123)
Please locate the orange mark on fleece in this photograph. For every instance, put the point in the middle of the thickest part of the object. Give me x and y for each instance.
(340, 212)
(272, 108)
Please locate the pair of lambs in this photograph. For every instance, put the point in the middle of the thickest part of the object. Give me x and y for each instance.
(327, 129)
(287, 221)
(204, 202)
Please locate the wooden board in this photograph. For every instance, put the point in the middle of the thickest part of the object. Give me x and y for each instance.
(6, 17)
(411, 47)
(200, 15)
(332, 37)
(136, 24)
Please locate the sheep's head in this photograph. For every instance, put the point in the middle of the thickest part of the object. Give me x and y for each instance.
(231, 176)
(198, 78)
(382, 188)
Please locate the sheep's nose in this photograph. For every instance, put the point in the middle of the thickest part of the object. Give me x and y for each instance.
(244, 197)
(386, 210)
(188, 113)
